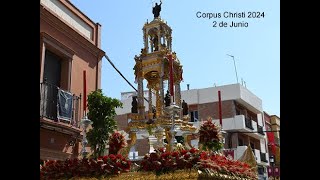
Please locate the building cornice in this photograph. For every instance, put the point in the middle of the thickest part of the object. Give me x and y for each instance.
(74, 9)
(73, 34)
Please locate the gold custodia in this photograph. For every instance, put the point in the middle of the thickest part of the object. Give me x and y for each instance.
(152, 65)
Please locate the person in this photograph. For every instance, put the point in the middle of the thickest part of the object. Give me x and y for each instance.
(167, 99)
(185, 108)
(156, 10)
(134, 108)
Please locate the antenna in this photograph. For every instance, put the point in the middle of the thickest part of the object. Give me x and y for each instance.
(235, 68)
(241, 81)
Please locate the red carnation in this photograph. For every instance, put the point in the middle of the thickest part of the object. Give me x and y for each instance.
(192, 150)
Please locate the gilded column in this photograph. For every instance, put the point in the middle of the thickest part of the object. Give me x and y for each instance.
(140, 97)
(159, 40)
(161, 92)
(145, 39)
(158, 103)
(177, 94)
(151, 44)
(150, 104)
(161, 85)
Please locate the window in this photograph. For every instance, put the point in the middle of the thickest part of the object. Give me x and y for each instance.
(56, 63)
(261, 170)
(52, 68)
(238, 111)
(194, 116)
(252, 145)
(51, 78)
(240, 142)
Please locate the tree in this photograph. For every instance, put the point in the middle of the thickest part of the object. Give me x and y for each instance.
(101, 112)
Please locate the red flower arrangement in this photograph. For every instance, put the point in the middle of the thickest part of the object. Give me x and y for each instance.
(163, 162)
(210, 136)
(102, 166)
(117, 141)
(222, 165)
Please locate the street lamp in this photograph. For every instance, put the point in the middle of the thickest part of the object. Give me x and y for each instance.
(85, 122)
(271, 158)
(235, 68)
(172, 110)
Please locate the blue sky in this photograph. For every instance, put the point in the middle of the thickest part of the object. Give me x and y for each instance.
(200, 47)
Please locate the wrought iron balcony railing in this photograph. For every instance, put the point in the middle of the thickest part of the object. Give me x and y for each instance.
(50, 107)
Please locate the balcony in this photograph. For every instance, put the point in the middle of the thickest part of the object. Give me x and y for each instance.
(248, 123)
(239, 123)
(263, 157)
(260, 130)
(59, 106)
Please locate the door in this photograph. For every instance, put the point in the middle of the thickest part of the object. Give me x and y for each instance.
(51, 75)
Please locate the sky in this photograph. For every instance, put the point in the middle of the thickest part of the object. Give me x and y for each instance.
(201, 48)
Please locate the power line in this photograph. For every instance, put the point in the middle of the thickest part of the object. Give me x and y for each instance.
(123, 76)
(120, 72)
